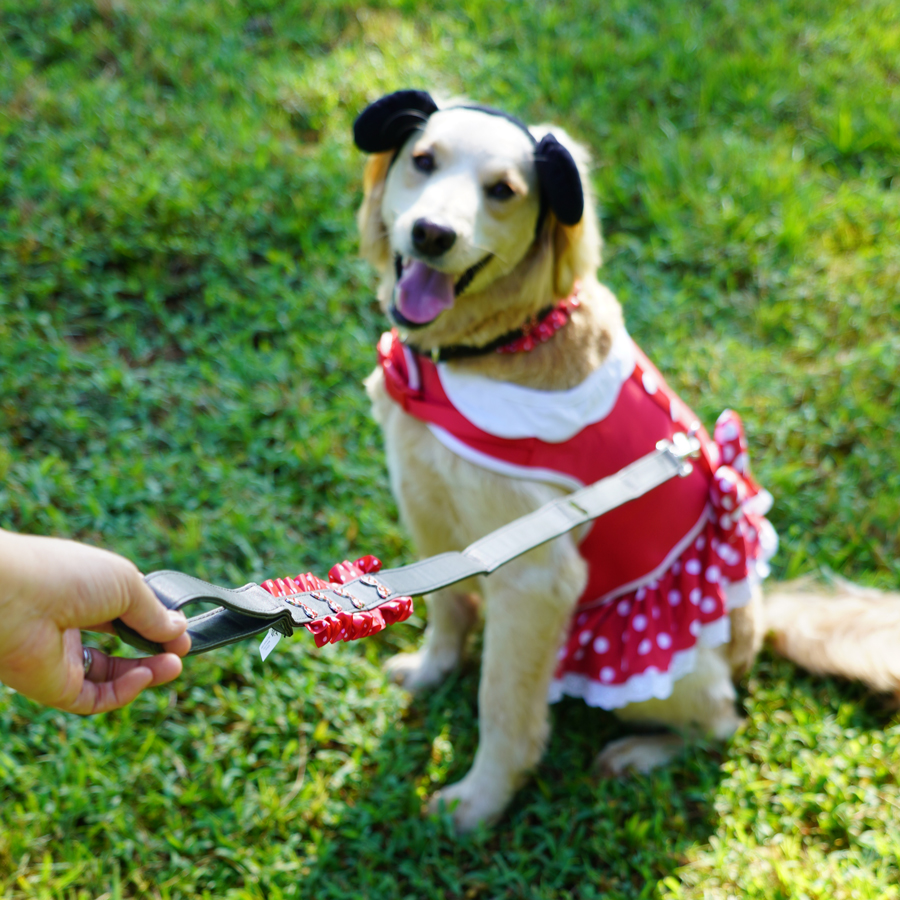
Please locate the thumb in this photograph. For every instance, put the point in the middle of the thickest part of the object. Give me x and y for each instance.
(149, 616)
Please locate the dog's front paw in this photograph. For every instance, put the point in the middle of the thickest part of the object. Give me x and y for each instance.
(471, 802)
(638, 754)
(420, 670)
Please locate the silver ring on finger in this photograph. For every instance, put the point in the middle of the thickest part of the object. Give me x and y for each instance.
(88, 655)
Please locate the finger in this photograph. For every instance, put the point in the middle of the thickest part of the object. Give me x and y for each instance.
(149, 618)
(108, 695)
(104, 669)
(181, 645)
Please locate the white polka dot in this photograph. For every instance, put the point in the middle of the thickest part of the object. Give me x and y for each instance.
(601, 645)
(700, 543)
(693, 567)
(563, 653)
(639, 622)
(727, 480)
(695, 596)
(713, 574)
(676, 567)
(581, 619)
(725, 522)
(663, 640)
(584, 637)
(742, 462)
(624, 607)
(674, 598)
(650, 383)
(729, 432)
(607, 674)
(640, 593)
(727, 503)
(708, 606)
(645, 647)
(656, 612)
(695, 627)
(728, 453)
(652, 585)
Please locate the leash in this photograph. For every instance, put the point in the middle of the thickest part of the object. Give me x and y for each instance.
(355, 603)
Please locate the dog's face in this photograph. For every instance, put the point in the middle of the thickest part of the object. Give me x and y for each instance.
(460, 206)
(474, 220)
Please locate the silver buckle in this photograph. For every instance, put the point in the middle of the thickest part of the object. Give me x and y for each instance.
(680, 448)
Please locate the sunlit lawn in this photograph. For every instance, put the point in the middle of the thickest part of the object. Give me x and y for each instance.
(184, 328)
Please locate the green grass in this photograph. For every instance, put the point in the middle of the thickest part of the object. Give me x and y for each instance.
(184, 327)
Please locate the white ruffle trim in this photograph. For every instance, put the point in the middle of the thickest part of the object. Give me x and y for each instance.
(508, 410)
(653, 684)
(648, 685)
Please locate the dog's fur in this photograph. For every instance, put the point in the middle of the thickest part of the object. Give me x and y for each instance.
(447, 502)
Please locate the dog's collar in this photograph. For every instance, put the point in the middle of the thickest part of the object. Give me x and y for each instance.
(536, 330)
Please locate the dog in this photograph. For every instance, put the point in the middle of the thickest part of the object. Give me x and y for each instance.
(507, 380)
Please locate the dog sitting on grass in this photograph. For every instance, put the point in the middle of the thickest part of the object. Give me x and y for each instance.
(509, 379)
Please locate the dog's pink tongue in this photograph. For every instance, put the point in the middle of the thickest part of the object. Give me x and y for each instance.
(423, 293)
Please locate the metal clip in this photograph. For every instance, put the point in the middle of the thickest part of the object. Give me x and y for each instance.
(679, 449)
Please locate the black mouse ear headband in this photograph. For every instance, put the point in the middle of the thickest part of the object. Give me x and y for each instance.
(387, 123)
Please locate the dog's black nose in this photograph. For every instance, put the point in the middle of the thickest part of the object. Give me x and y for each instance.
(431, 239)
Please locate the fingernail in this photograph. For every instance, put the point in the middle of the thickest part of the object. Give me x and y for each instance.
(177, 617)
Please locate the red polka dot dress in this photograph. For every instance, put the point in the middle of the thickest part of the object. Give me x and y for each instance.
(663, 570)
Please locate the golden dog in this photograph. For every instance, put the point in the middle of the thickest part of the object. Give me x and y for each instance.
(478, 225)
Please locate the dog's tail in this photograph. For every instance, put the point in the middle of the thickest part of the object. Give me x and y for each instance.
(843, 630)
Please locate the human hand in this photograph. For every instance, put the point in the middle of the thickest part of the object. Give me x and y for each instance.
(51, 589)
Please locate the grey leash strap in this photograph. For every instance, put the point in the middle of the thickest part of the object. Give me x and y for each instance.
(250, 610)
(551, 520)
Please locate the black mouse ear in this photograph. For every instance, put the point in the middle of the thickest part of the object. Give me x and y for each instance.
(559, 180)
(386, 123)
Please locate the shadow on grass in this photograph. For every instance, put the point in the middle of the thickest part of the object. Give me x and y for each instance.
(568, 832)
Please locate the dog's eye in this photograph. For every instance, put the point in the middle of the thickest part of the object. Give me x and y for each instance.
(424, 162)
(500, 191)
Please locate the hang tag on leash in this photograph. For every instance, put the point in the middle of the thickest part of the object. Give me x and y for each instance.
(268, 643)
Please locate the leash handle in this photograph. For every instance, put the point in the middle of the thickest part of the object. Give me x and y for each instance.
(258, 611)
(354, 604)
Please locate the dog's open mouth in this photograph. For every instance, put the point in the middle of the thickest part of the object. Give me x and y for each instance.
(423, 293)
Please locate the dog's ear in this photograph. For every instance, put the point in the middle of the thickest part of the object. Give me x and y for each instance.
(385, 124)
(373, 241)
(576, 247)
(559, 180)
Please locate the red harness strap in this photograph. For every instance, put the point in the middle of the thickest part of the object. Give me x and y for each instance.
(638, 420)
(665, 559)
